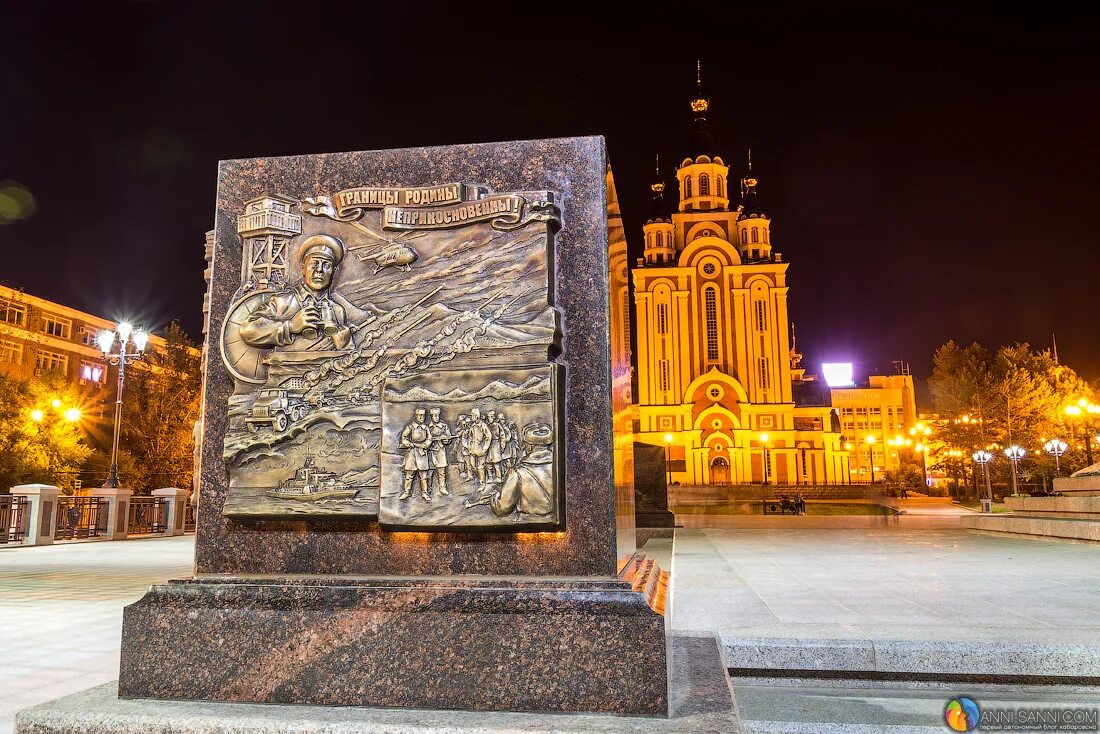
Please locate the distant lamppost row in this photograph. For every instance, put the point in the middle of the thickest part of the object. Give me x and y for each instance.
(1056, 447)
(106, 342)
(764, 443)
(668, 456)
(983, 458)
(871, 454)
(1015, 453)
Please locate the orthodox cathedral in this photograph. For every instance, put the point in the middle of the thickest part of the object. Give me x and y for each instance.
(718, 377)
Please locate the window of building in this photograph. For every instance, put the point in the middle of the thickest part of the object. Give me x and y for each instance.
(744, 237)
(804, 468)
(664, 374)
(45, 360)
(11, 352)
(765, 235)
(720, 184)
(704, 185)
(845, 411)
(88, 336)
(761, 315)
(93, 372)
(861, 411)
(710, 306)
(861, 425)
(662, 318)
(755, 234)
(763, 373)
(709, 269)
(13, 313)
(56, 326)
(876, 425)
(687, 188)
(876, 411)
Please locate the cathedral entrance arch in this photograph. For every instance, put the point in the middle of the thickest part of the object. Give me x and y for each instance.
(720, 471)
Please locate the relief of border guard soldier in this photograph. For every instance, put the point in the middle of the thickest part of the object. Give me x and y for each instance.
(304, 317)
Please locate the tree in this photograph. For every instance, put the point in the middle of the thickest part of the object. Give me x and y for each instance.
(161, 406)
(991, 401)
(39, 442)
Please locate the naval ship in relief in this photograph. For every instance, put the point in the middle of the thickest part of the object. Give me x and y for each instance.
(312, 482)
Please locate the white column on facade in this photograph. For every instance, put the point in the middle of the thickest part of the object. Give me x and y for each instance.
(42, 512)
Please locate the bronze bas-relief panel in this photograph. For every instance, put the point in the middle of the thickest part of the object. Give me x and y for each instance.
(437, 295)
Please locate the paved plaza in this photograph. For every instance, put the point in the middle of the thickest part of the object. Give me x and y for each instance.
(61, 607)
(892, 598)
(779, 597)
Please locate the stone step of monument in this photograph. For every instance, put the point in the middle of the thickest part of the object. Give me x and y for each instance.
(645, 576)
(1066, 528)
(808, 706)
(963, 661)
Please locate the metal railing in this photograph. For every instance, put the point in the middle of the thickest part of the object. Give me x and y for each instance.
(80, 517)
(14, 514)
(147, 515)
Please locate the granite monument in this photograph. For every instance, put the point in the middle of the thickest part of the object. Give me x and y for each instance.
(416, 444)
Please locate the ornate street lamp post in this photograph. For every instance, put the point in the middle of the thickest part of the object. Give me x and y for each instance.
(668, 457)
(921, 448)
(764, 443)
(871, 454)
(106, 342)
(983, 458)
(1015, 453)
(1056, 447)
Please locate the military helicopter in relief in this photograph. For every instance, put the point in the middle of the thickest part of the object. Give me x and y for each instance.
(393, 255)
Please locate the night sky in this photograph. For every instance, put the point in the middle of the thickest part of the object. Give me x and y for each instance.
(930, 175)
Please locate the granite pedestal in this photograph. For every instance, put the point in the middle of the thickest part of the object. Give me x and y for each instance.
(701, 700)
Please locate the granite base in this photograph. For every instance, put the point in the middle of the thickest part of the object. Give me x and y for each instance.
(701, 700)
(478, 644)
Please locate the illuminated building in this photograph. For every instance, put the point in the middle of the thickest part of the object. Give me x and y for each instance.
(718, 378)
(884, 408)
(38, 336)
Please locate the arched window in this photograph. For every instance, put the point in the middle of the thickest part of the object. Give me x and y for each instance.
(765, 235)
(755, 234)
(711, 316)
(719, 185)
(761, 315)
(662, 318)
(687, 188)
(744, 237)
(626, 319)
(710, 308)
(704, 185)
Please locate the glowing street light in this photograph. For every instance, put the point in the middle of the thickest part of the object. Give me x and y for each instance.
(921, 448)
(1082, 409)
(1056, 447)
(106, 342)
(982, 458)
(1015, 453)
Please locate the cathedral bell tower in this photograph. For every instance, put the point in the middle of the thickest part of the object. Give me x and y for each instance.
(703, 180)
(753, 225)
(659, 245)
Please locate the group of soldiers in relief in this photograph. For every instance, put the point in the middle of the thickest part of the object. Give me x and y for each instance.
(487, 448)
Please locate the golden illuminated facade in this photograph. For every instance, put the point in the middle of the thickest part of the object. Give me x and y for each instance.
(718, 380)
(876, 420)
